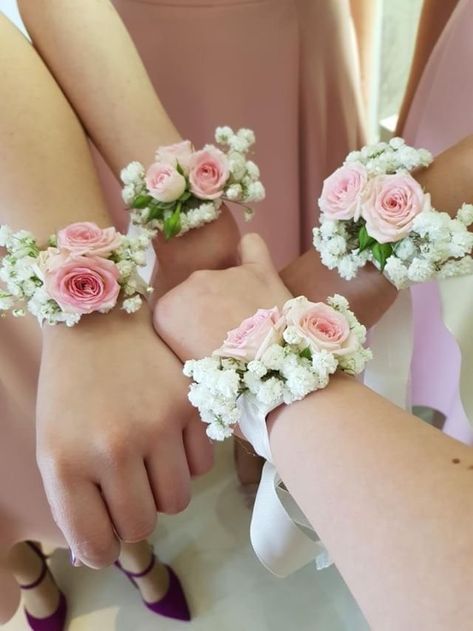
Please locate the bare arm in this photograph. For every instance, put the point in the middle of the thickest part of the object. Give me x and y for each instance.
(109, 459)
(435, 15)
(88, 49)
(363, 14)
(91, 55)
(44, 151)
(391, 497)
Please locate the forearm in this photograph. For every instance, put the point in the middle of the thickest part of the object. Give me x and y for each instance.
(364, 19)
(47, 179)
(435, 14)
(105, 80)
(369, 294)
(449, 179)
(391, 498)
(89, 51)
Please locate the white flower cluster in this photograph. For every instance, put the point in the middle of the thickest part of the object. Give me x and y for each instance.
(244, 185)
(23, 276)
(390, 157)
(337, 248)
(130, 256)
(437, 247)
(286, 372)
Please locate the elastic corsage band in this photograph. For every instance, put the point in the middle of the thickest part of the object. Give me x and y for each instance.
(277, 357)
(184, 188)
(372, 209)
(84, 269)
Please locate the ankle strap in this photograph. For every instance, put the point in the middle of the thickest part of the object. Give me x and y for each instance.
(148, 568)
(40, 578)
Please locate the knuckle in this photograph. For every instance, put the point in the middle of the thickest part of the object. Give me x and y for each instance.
(115, 449)
(200, 278)
(53, 465)
(203, 465)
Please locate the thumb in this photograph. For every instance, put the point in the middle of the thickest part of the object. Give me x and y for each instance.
(253, 250)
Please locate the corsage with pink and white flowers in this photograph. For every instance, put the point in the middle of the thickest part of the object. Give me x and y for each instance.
(84, 269)
(276, 356)
(372, 209)
(184, 188)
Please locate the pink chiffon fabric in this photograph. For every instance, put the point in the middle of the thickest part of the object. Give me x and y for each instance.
(287, 69)
(440, 116)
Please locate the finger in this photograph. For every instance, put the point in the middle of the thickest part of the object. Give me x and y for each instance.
(80, 512)
(130, 501)
(169, 475)
(253, 250)
(199, 449)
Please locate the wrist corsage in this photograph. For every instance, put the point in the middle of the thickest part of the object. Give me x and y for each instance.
(278, 357)
(83, 270)
(184, 188)
(372, 209)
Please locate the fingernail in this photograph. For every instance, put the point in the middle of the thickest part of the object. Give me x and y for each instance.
(74, 561)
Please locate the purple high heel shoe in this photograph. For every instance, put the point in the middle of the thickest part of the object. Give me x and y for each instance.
(57, 620)
(173, 604)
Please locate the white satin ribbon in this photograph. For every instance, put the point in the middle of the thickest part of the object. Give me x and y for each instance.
(391, 341)
(281, 537)
(457, 312)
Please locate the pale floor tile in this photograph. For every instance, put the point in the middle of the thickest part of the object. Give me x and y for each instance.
(228, 589)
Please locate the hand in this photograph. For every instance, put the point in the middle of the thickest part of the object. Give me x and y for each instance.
(194, 318)
(117, 439)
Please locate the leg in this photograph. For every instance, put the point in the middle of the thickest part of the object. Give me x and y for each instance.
(26, 566)
(136, 557)
(159, 586)
(248, 464)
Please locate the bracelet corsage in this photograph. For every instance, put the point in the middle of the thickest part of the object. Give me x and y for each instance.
(83, 270)
(184, 188)
(277, 356)
(372, 209)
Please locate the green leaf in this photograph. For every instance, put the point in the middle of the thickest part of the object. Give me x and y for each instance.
(306, 353)
(141, 201)
(172, 225)
(185, 196)
(364, 239)
(381, 253)
(155, 212)
(179, 169)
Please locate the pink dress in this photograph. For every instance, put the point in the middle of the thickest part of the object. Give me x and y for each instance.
(287, 69)
(440, 116)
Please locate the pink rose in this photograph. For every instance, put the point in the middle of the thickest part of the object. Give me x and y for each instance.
(82, 284)
(209, 172)
(390, 206)
(342, 192)
(179, 153)
(164, 182)
(87, 238)
(254, 336)
(321, 326)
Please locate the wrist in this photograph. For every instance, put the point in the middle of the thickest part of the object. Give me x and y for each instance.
(214, 246)
(99, 324)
